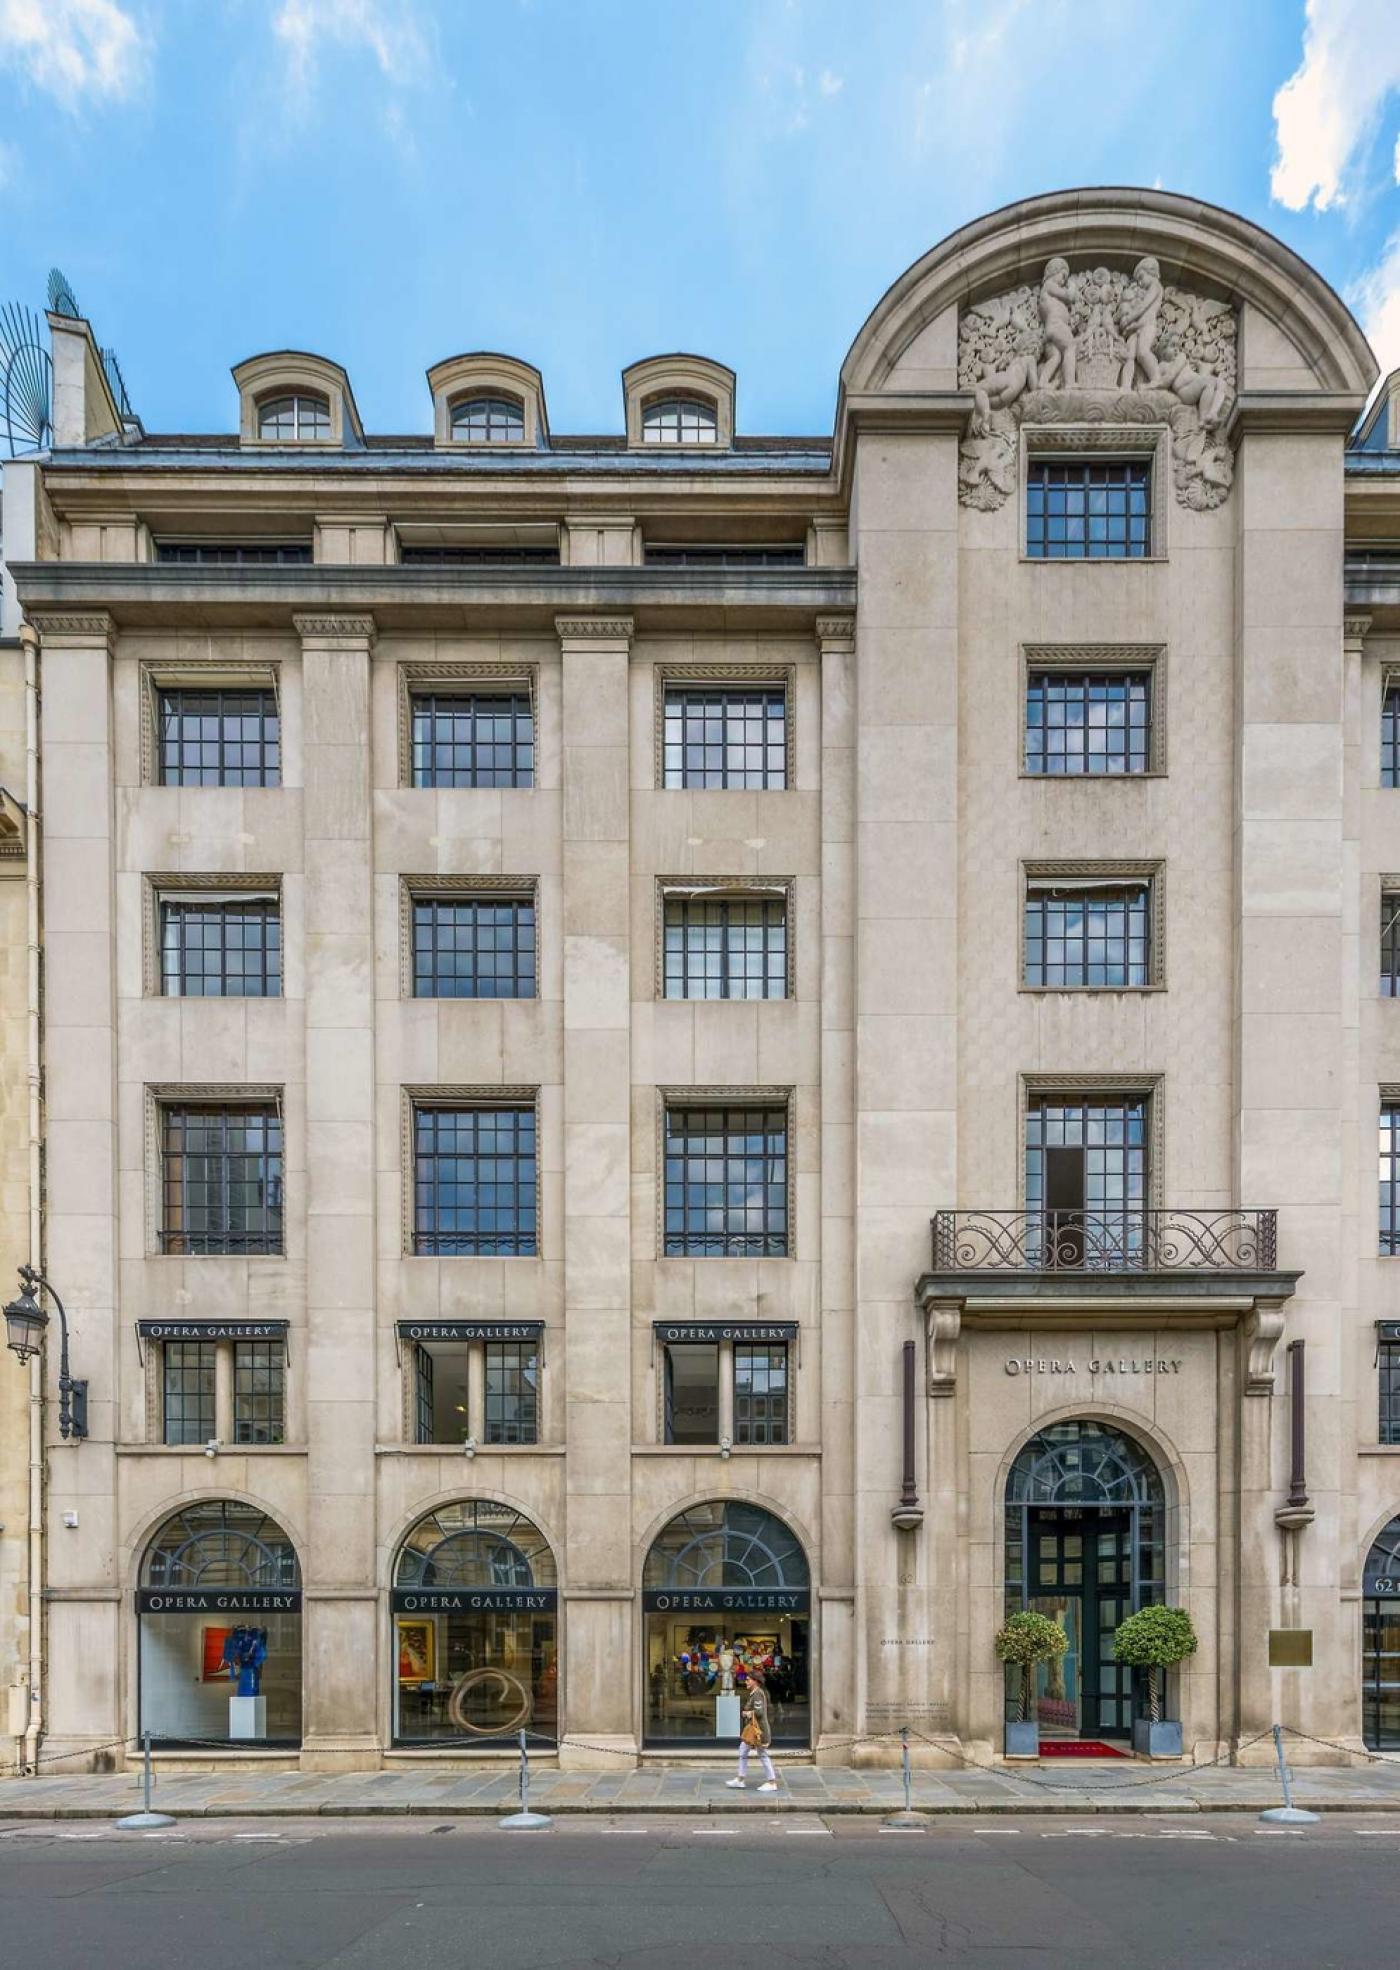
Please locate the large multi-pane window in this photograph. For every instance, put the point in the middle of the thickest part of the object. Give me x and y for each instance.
(679, 421)
(220, 947)
(488, 421)
(235, 553)
(760, 1393)
(473, 739)
(1086, 1179)
(221, 1178)
(1084, 932)
(1389, 1159)
(294, 419)
(221, 738)
(1086, 509)
(473, 947)
(474, 1182)
(1390, 943)
(721, 735)
(1088, 721)
(512, 1392)
(726, 1181)
(741, 554)
(187, 1392)
(259, 1391)
(1388, 1370)
(1390, 736)
(725, 947)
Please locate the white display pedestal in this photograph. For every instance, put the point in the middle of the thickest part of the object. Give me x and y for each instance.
(247, 1717)
(727, 1715)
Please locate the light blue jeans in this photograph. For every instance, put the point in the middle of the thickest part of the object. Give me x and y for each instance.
(764, 1760)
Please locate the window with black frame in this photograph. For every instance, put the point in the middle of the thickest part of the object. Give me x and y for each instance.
(488, 421)
(679, 421)
(1088, 933)
(1390, 944)
(1088, 509)
(1389, 1167)
(223, 947)
(725, 947)
(259, 1391)
(1390, 736)
(473, 947)
(1086, 1180)
(473, 739)
(726, 1181)
(219, 738)
(760, 1393)
(295, 419)
(475, 1182)
(234, 553)
(1091, 722)
(721, 735)
(512, 1392)
(188, 1412)
(221, 1178)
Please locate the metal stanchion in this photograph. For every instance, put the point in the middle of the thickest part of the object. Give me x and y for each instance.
(525, 1818)
(138, 1822)
(907, 1820)
(1287, 1814)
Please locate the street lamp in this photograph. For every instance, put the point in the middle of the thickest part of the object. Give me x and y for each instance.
(25, 1323)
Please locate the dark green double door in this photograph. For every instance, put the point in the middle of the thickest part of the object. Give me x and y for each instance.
(1080, 1573)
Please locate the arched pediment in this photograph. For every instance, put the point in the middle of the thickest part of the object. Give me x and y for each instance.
(486, 379)
(286, 375)
(680, 381)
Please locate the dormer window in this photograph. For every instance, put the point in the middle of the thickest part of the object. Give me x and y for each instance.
(679, 421)
(294, 420)
(488, 421)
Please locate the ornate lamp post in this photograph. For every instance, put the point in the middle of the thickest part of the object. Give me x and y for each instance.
(25, 1324)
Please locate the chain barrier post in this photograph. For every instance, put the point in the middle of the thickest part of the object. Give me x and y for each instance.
(907, 1820)
(140, 1822)
(525, 1820)
(1287, 1814)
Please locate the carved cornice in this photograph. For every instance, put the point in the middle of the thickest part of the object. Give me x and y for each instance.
(338, 629)
(62, 626)
(836, 629)
(1081, 655)
(585, 629)
(1354, 628)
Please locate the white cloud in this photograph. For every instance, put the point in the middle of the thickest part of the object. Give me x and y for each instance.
(829, 84)
(1326, 114)
(1376, 299)
(75, 49)
(388, 29)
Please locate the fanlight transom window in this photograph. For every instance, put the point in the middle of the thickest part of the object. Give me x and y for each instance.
(1083, 1463)
(294, 419)
(726, 1544)
(679, 421)
(475, 1544)
(220, 1543)
(493, 420)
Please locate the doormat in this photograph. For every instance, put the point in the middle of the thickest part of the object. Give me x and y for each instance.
(1078, 1747)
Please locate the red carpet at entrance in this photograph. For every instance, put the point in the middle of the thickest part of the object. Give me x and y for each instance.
(1078, 1747)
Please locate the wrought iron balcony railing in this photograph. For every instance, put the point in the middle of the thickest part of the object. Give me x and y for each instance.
(1105, 1241)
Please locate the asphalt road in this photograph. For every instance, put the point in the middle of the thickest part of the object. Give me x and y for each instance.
(237, 1895)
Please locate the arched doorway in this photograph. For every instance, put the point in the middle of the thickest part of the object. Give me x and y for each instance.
(474, 1599)
(1380, 1642)
(218, 1620)
(725, 1576)
(1085, 1544)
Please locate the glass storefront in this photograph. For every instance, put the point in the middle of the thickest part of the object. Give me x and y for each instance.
(218, 1617)
(1380, 1642)
(725, 1586)
(474, 1603)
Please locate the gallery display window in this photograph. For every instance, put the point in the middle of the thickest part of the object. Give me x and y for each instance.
(473, 1381)
(474, 1603)
(1380, 1642)
(218, 1619)
(725, 1587)
(726, 1382)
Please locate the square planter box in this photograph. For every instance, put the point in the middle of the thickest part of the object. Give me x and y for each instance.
(1156, 1740)
(1023, 1740)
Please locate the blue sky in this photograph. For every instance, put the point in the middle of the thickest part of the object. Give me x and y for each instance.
(583, 182)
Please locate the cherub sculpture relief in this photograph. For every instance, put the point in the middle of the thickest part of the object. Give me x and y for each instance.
(1054, 307)
(1137, 321)
(999, 389)
(1206, 393)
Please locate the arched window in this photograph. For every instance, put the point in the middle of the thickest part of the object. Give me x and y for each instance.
(679, 421)
(488, 421)
(218, 1615)
(725, 1589)
(1380, 1642)
(475, 1654)
(294, 419)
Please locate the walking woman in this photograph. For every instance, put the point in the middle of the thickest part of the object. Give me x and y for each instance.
(756, 1734)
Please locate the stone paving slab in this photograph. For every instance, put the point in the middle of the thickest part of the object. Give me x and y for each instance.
(809, 1789)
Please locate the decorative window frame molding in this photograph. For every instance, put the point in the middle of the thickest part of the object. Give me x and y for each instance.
(678, 375)
(777, 676)
(292, 373)
(160, 1095)
(513, 889)
(1094, 441)
(1105, 659)
(211, 676)
(720, 889)
(1148, 869)
(725, 1367)
(487, 374)
(452, 677)
(672, 1096)
(1152, 1085)
(220, 888)
(508, 1094)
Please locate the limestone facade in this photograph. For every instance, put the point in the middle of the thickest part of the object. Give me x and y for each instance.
(886, 586)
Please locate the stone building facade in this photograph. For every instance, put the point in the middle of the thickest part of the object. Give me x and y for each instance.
(688, 1045)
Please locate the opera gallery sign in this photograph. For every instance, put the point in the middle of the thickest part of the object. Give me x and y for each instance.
(1096, 1364)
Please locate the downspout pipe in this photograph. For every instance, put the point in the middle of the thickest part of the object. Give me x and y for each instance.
(34, 1070)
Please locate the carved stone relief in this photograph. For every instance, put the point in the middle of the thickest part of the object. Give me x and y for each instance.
(1098, 347)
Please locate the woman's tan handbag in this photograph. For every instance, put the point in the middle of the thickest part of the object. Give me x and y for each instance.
(751, 1734)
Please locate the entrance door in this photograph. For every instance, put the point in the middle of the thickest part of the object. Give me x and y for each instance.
(1081, 1576)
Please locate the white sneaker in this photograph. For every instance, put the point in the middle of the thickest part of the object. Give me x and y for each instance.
(769, 1785)
(738, 1785)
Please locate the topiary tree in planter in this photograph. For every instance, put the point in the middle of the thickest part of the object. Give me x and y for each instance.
(1154, 1639)
(1028, 1638)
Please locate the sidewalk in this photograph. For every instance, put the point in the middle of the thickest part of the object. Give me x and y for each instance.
(803, 1788)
